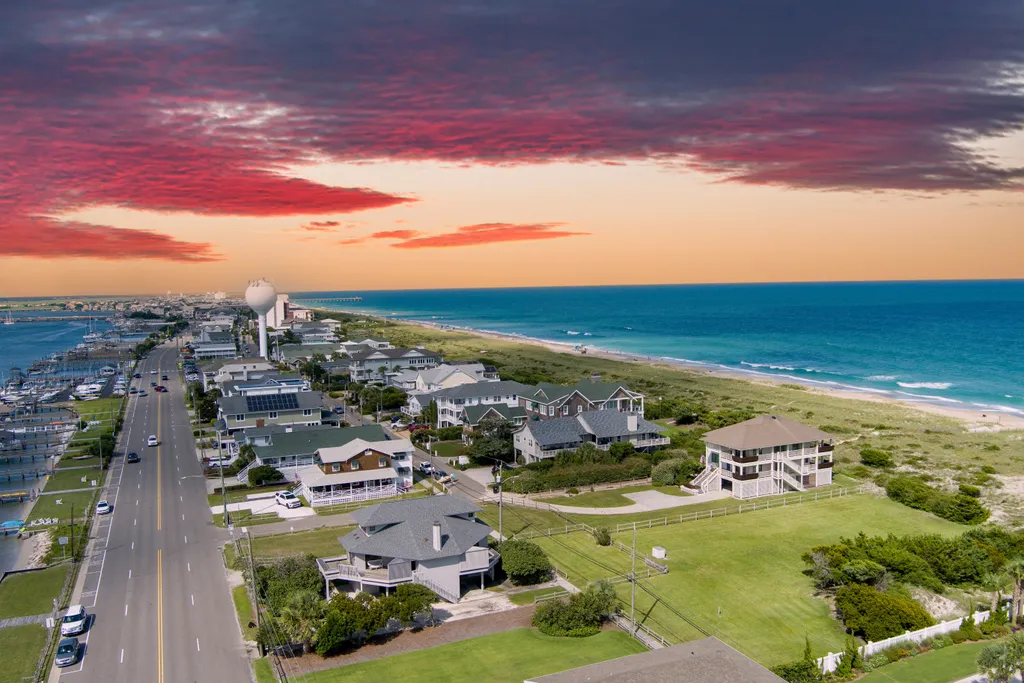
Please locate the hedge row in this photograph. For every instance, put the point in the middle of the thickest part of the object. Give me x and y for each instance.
(532, 481)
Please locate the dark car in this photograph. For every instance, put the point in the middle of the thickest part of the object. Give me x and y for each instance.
(67, 652)
(132, 456)
(137, 376)
(152, 384)
(163, 378)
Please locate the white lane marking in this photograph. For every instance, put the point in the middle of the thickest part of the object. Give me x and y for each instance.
(136, 501)
(129, 573)
(189, 565)
(193, 599)
(133, 545)
(139, 486)
(181, 498)
(183, 516)
(186, 539)
(197, 645)
(126, 610)
(136, 522)
(122, 655)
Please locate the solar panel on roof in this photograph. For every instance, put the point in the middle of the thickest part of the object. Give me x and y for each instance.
(265, 402)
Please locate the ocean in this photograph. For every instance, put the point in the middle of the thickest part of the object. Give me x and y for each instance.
(956, 343)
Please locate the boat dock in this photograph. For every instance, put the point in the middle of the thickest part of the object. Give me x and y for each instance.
(15, 497)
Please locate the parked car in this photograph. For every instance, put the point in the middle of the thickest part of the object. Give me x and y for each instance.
(67, 652)
(152, 440)
(426, 467)
(132, 456)
(74, 621)
(103, 508)
(288, 499)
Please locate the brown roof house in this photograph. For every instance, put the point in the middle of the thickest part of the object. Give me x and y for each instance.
(765, 456)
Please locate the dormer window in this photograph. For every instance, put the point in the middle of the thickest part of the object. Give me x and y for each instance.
(335, 467)
(382, 462)
(355, 465)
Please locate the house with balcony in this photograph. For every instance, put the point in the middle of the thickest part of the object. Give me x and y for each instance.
(290, 448)
(443, 376)
(416, 404)
(358, 470)
(376, 364)
(271, 383)
(765, 456)
(541, 439)
(239, 413)
(451, 402)
(437, 542)
(220, 371)
(548, 401)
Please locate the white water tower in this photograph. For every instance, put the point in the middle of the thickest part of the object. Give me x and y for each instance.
(261, 297)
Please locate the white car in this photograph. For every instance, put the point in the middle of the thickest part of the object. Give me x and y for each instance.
(74, 621)
(152, 441)
(152, 372)
(288, 499)
(103, 508)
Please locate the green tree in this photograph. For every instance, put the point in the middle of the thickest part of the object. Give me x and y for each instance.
(804, 670)
(995, 583)
(1015, 571)
(997, 662)
(301, 616)
(429, 415)
(263, 475)
(524, 562)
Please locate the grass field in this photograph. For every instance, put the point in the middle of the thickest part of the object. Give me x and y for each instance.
(528, 597)
(243, 608)
(611, 498)
(79, 501)
(509, 657)
(748, 566)
(448, 449)
(264, 673)
(62, 480)
(938, 666)
(20, 647)
(66, 462)
(25, 595)
(319, 542)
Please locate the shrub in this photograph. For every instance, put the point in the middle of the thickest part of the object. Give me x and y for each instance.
(666, 473)
(877, 616)
(621, 450)
(913, 492)
(533, 479)
(940, 642)
(859, 471)
(970, 629)
(578, 616)
(988, 469)
(873, 457)
(874, 661)
(804, 670)
(524, 562)
(263, 475)
(968, 490)
(573, 491)
(958, 637)
(602, 536)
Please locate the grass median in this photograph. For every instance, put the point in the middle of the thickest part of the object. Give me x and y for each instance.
(31, 593)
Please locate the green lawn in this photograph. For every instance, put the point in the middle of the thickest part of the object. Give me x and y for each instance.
(448, 449)
(67, 461)
(79, 501)
(748, 566)
(264, 672)
(20, 646)
(509, 657)
(320, 542)
(611, 498)
(100, 409)
(62, 480)
(938, 666)
(24, 595)
(243, 607)
(247, 518)
(528, 597)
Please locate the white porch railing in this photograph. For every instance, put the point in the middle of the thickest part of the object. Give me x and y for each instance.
(704, 478)
(351, 496)
(418, 577)
(791, 480)
(243, 474)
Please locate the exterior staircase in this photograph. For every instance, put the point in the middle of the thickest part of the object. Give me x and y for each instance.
(418, 577)
(704, 479)
(795, 481)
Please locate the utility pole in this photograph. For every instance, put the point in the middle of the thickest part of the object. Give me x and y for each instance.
(501, 489)
(223, 492)
(632, 586)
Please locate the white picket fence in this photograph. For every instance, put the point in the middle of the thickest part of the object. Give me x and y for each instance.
(830, 662)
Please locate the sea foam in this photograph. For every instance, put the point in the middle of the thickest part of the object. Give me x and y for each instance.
(925, 385)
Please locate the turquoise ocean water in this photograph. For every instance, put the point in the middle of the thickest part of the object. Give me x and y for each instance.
(955, 343)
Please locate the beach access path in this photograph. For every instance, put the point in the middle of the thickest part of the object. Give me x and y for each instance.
(643, 501)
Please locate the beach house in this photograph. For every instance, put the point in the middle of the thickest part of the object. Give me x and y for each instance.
(435, 541)
(357, 470)
(238, 413)
(541, 439)
(270, 383)
(290, 448)
(443, 376)
(224, 370)
(548, 401)
(765, 456)
(375, 364)
(451, 402)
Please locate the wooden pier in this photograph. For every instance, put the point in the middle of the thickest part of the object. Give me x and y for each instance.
(15, 497)
(347, 299)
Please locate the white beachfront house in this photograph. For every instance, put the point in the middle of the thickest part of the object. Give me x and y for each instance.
(451, 402)
(358, 470)
(435, 541)
(765, 456)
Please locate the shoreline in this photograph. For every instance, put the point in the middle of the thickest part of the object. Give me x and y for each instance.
(974, 420)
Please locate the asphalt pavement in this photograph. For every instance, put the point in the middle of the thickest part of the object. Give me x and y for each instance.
(155, 583)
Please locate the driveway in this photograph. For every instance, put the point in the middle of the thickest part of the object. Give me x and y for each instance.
(644, 501)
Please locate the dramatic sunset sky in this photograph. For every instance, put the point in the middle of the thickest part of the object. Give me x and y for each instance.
(356, 144)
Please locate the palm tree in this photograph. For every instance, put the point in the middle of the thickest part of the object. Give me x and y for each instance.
(995, 583)
(998, 662)
(1015, 571)
(301, 616)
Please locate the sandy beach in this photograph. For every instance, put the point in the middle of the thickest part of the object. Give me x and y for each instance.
(973, 420)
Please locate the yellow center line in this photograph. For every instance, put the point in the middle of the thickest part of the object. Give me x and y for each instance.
(159, 506)
(159, 616)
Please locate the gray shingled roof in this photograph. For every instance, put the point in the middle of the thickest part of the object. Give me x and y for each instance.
(392, 353)
(503, 388)
(306, 442)
(612, 423)
(700, 661)
(765, 431)
(592, 390)
(236, 405)
(563, 431)
(410, 535)
(474, 414)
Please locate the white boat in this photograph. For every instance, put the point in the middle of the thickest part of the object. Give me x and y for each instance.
(9, 320)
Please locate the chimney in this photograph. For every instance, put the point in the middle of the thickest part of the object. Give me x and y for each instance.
(437, 536)
(631, 422)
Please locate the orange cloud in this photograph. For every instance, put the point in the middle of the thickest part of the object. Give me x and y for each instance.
(486, 233)
(396, 234)
(320, 226)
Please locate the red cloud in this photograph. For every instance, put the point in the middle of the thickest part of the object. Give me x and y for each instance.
(46, 239)
(395, 234)
(354, 240)
(320, 226)
(488, 233)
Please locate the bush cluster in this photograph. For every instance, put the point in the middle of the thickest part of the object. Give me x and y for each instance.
(532, 481)
(875, 457)
(524, 562)
(578, 616)
(602, 536)
(675, 471)
(913, 492)
(354, 619)
(875, 615)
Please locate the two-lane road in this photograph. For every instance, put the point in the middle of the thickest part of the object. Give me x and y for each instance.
(163, 611)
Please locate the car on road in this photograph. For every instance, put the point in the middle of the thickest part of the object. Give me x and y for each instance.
(288, 499)
(152, 384)
(161, 389)
(137, 375)
(142, 393)
(103, 508)
(133, 390)
(74, 621)
(67, 652)
(152, 440)
(426, 467)
(152, 372)
(132, 456)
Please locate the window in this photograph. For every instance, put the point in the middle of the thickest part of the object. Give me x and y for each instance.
(355, 465)
(306, 413)
(336, 467)
(579, 409)
(565, 410)
(382, 462)
(272, 415)
(551, 411)
(239, 418)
